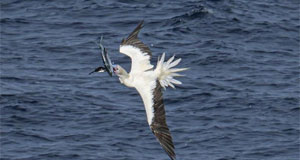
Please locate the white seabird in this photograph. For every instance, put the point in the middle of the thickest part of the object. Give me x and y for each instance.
(149, 83)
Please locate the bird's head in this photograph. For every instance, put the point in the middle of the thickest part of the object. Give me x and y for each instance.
(99, 69)
(119, 71)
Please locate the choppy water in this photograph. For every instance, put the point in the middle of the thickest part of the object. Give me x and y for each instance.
(239, 100)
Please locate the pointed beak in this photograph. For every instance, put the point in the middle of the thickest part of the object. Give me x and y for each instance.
(114, 68)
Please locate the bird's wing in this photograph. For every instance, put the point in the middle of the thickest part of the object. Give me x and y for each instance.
(152, 96)
(139, 53)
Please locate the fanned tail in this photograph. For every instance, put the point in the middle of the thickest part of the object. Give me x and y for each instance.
(166, 73)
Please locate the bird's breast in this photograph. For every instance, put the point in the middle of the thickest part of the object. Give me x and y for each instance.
(142, 79)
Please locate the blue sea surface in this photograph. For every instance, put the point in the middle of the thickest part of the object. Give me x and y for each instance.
(239, 100)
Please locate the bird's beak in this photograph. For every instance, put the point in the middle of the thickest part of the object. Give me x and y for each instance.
(114, 68)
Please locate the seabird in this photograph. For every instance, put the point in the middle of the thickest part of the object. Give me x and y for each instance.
(149, 83)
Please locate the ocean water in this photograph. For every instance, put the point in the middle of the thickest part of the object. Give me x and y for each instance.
(239, 100)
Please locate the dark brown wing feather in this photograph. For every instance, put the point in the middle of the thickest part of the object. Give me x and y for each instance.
(159, 126)
(133, 40)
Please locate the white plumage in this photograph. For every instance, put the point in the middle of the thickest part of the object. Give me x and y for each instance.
(166, 74)
(143, 78)
(148, 82)
(140, 61)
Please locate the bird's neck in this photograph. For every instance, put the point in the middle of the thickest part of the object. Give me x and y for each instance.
(125, 79)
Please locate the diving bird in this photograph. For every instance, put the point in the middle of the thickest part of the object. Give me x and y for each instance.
(149, 83)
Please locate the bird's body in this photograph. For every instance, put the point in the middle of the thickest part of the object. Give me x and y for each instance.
(149, 83)
(144, 83)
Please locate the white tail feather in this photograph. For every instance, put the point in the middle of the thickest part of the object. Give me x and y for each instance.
(166, 73)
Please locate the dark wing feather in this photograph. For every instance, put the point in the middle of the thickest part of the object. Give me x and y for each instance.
(133, 40)
(159, 126)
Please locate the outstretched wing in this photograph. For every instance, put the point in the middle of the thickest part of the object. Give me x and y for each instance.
(139, 53)
(152, 96)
